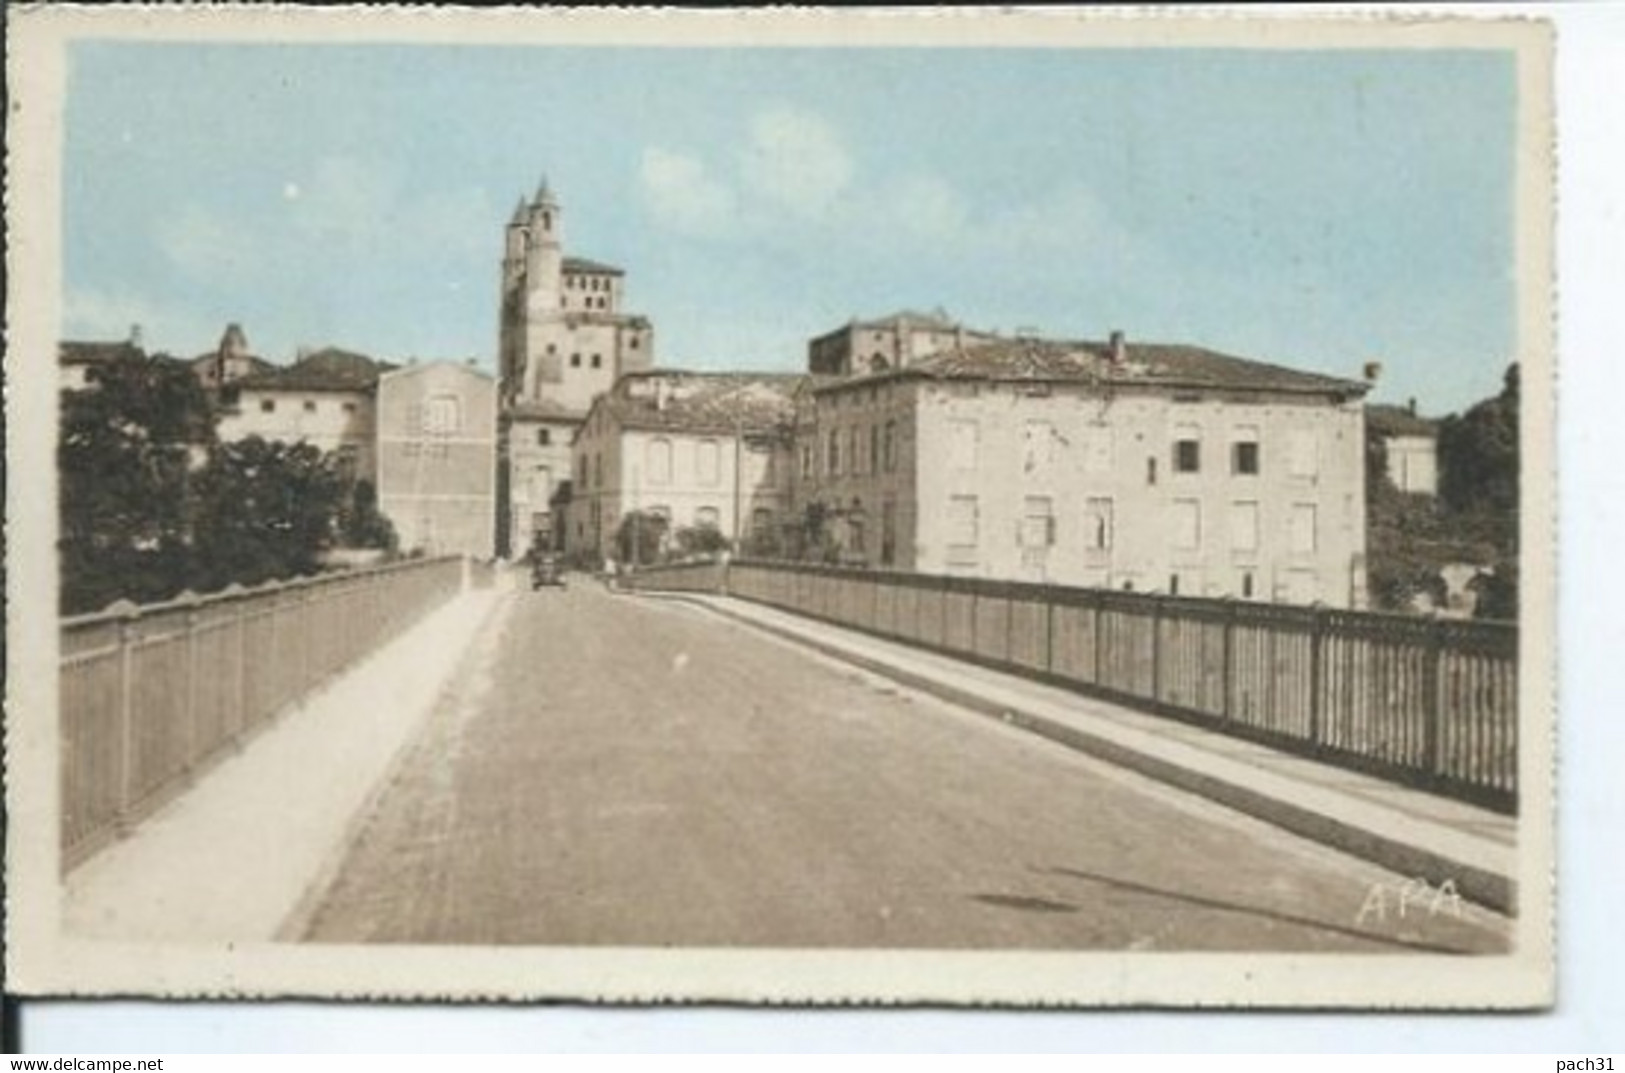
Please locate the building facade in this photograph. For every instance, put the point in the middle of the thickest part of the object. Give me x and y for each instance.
(326, 398)
(1411, 446)
(564, 339)
(703, 451)
(229, 362)
(1153, 468)
(861, 347)
(436, 457)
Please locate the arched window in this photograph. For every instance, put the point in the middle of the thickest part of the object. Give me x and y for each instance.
(658, 460)
(878, 363)
(707, 462)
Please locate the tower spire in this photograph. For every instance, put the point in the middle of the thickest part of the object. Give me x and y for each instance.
(544, 193)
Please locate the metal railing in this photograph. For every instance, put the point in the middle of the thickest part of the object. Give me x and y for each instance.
(152, 695)
(1428, 702)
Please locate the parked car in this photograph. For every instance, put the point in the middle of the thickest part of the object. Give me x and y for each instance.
(546, 570)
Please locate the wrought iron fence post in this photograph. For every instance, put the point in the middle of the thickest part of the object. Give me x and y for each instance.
(1049, 632)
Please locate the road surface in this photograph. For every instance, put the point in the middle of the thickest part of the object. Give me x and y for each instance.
(636, 771)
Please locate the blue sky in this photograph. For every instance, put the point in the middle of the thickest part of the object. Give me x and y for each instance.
(1315, 210)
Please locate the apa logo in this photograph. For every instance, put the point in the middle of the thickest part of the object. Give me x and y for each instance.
(1412, 897)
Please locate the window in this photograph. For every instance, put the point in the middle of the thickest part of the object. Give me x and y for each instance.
(597, 361)
(544, 437)
(854, 439)
(442, 416)
(598, 470)
(1151, 471)
(1173, 584)
(1302, 454)
(1037, 523)
(1244, 451)
(1244, 526)
(761, 521)
(552, 348)
(1097, 524)
(267, 406)
(889, 447)
(310, 406)
(874, 448)
(707, 462)
(806, 460)
(1247, 585)
(963, 436)
(962, 530)
(575, 361)
(1186, 519)
(1187, 456)
(833, 462)
(657, 457)
(1303, 528)
(706, 518)
(634, 343)
(349, 407)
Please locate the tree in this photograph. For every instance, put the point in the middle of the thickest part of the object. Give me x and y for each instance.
(360, 523)
(700, 540)
(1479, 475)
(640, 537)
(264, 510)
(125, 455)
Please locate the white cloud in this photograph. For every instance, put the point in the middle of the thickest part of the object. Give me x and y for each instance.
(795, 160)
(682, 195)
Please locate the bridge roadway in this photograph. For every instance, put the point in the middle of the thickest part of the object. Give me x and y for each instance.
(637, 771)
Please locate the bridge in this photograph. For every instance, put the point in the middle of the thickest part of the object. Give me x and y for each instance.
(763, 755)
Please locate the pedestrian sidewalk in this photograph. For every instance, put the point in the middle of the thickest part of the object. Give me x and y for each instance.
(1417, 834)
(234, 857)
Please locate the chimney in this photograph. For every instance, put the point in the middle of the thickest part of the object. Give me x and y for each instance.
(1119, 348)
(1411, 405)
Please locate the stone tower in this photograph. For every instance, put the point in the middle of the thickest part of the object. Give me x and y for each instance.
(563, 340)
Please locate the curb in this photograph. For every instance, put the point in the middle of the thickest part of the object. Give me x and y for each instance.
(1484, 886)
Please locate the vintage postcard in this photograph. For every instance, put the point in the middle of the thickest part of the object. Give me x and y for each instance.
(808, 506)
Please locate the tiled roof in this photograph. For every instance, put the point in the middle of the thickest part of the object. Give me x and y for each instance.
(914, 318)
(77, 352)
(707, 402)
(328, 369)
(1398, 421)
(583, 264)
(1170, 365)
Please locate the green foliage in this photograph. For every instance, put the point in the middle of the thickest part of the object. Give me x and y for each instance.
(265, 510)
(700, 540)
(640, 537)
(124, 459)
(1475, 517)
(360, 523)
(151, 503)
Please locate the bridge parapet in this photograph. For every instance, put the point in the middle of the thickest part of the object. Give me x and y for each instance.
(150, 696)
(1429, 702)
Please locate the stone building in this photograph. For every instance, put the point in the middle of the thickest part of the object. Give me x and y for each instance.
(1150, 467)
(76, 359)
(890, 342)
(701, 450)
(326, 398)
(436, 457)
(228, 363)
(1411, 444)
(563, 340)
